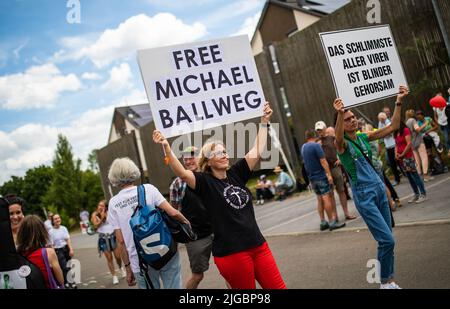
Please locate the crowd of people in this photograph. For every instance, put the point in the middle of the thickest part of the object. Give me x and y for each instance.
(213, 198)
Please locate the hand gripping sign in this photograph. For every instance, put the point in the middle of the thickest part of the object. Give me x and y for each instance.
(197, 86)
(364, 64)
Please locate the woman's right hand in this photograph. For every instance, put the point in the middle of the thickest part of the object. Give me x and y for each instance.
(159, 138)
(338, 105)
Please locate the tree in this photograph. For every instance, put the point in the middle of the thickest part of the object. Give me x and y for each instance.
(36, 183)
(64, 194)
(92, 161)
(13, 186)
(92, 190)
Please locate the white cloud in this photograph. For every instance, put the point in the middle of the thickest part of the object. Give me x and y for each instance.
(179, 4)
(40, 86)
(134, 97)
(249, 25)
(137, 32)
(120, 77)
(91, 76)
(34, 144)
(231, 10)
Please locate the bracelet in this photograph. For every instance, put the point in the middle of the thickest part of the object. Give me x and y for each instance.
(126, 265)
(398, 103)
(266, 125)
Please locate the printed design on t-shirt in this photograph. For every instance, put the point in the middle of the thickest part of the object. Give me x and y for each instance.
(236, 197)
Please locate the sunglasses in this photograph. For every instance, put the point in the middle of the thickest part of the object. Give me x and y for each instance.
(218, 153)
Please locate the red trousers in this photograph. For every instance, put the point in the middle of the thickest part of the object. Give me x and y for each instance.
(242, 268)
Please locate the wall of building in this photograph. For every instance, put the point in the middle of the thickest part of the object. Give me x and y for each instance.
(278, 23)
(304, 20)
(257, 44)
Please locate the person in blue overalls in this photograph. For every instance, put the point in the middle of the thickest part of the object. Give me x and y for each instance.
(367, 187)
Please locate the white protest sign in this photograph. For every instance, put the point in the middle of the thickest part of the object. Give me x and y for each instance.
(197, 86)
(364, 64)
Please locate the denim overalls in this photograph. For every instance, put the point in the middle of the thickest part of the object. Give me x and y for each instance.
(370, 197)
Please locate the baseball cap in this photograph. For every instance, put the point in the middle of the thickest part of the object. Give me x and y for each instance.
(190, 151)
(320, 125)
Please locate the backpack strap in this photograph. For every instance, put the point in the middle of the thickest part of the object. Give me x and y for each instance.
(361, 150)
(143, 267)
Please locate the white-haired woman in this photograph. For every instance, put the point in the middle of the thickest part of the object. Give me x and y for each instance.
(123, 173)
(239, 249)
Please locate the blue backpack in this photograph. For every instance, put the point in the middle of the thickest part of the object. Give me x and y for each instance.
(152, 238)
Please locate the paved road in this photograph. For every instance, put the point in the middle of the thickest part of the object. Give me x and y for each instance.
(310, 259)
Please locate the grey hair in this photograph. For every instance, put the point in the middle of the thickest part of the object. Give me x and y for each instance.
(123, 171)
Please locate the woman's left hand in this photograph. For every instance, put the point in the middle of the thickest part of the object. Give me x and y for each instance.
(267, 113)
(71, 253)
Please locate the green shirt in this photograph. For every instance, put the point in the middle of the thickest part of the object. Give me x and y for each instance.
(346, 158)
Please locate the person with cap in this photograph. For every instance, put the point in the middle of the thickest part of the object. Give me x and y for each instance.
(326, 139)
(191, 206)
(265, 190)
(283, 184)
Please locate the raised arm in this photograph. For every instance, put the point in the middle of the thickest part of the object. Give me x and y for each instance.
(395, 124)
(338, 105)
(174, 163)
(254, 155)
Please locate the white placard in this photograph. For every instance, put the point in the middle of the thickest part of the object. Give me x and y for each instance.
(201, 85)
(364, 64)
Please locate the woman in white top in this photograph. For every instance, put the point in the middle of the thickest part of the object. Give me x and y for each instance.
(60, 240)
(107, 242)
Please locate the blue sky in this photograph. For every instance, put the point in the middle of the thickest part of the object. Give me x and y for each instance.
(61, 77)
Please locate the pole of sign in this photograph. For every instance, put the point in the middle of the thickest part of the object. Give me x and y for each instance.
(276, 143)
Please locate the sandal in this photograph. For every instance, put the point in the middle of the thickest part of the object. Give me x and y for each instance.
(350, 217)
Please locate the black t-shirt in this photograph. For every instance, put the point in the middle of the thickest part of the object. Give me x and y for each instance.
(193, 209)
(230, 205)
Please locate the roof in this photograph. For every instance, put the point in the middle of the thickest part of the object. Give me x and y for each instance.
(138, 115)
(323, 7)
(317, 8)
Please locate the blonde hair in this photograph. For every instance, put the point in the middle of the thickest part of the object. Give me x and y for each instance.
(205, 155)
(409, 114)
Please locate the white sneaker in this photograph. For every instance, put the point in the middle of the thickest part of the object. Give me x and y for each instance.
(124, 272)
(390, 286)
(257, 202)
(262, 202)
(115, 280)
(413, 200)
(421, 199)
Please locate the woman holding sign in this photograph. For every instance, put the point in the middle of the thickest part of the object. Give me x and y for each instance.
(368, 189)
(239, 249)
